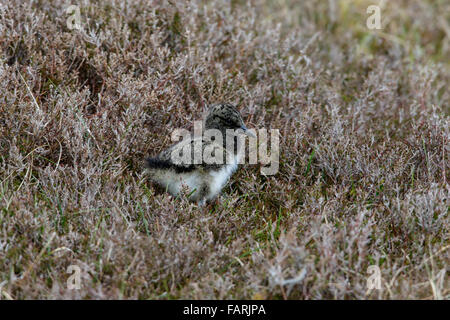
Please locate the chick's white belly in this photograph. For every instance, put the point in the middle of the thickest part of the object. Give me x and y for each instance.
(196, 181)
(219, 178)
(192, 181)
(214, 180)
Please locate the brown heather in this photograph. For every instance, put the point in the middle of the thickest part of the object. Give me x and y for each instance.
(364, 165)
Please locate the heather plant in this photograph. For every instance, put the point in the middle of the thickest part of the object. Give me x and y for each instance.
(363, 177)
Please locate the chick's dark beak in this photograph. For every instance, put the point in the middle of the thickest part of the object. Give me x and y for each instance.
(248, 132)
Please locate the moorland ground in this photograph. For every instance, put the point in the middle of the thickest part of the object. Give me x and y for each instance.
(364, 141)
